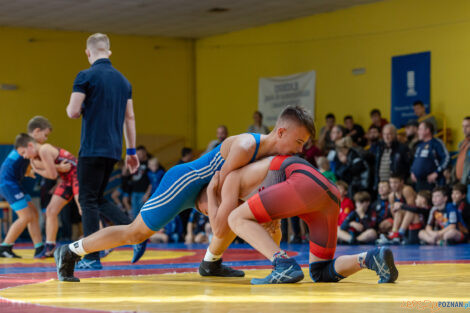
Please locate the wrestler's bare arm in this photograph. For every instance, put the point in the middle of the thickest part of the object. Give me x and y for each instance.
(238, 184)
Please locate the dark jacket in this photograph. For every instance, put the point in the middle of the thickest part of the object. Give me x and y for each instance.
(355, 172)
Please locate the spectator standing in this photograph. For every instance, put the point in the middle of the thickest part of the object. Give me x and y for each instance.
(462, 166)
(412, 138)
(155, 173)
(139, 182)
(373, 140)
(258, 126)
(430, 160)
(420, 112)
(103, 97)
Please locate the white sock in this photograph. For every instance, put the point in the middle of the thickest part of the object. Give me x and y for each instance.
(50, 242)
(77, 247)
(209, 257)
(361, 259)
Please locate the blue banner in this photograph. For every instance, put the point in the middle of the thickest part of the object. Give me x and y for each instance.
(411, 81)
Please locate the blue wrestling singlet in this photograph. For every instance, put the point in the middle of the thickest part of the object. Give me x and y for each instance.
(180, 186)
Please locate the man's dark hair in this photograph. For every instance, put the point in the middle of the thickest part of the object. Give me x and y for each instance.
(299, 115)
(440, 189)
(347, 117)
(467, 118)
(398, 176)
(426, 194)
(362, 196)
(418, 102)
(22, 140)
(330, 115)
(38, 122)
(429, 126)
(259, 113)
(376, 127)
(185, 151)
(460, 187)
(141, 147)
(375, 112)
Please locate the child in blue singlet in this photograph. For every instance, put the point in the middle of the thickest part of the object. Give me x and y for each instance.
(12, 171)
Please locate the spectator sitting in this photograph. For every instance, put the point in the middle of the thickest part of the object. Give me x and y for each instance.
(258, 126)
(222, 134)
(347, 206)
(311, 151)
(420, 112)
(186, 155)
(414, 217)
(172, 232)
(196, 228)
(324, 140)
(160, 236)
(382, 208)
(373, 140)
(400, 193)
(324, 167)
(155, 174)
(351, 168)
(392, 156)
(355, 131)
(462, 166)
(459, 200)
(430, 160)
(377, 120)
(359, 226)
(412, 138)
(444, 224)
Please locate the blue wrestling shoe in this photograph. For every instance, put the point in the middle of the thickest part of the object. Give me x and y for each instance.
(139, 250)
(285, 271)
(87, 264)
(381, 261)
(104, 253)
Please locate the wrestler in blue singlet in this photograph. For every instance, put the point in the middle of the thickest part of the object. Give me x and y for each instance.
(181, 185)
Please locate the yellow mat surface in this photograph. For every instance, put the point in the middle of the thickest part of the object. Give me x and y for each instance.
(188, 292)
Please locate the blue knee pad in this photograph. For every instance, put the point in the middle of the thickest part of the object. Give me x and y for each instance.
(324, 272)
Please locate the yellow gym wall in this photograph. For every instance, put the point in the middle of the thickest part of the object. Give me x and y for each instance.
(228, 66)
(43, 64)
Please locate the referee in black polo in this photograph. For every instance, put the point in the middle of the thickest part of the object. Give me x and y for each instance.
(103, 97)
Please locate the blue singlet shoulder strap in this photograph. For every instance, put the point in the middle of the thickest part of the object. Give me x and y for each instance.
(257, 139)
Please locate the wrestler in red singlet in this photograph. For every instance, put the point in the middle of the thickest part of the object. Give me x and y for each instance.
(68, 186)
(303, 192)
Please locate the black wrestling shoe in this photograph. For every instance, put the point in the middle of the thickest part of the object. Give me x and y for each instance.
(216, 268)
(7, 252)
(65, 261)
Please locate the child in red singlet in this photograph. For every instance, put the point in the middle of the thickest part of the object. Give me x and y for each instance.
(44, 158)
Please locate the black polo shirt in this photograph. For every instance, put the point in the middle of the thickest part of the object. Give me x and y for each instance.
(103, 110)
